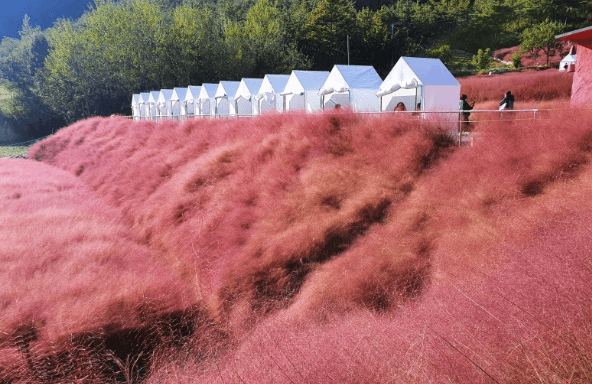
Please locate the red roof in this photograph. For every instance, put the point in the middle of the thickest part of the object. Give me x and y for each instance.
(579, 36)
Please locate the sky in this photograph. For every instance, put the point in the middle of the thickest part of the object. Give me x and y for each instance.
(42, 13)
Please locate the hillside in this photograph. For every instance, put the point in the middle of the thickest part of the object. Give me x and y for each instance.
(328, 248)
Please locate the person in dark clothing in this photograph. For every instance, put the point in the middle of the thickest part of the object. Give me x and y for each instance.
(507, 102)
(465, 109)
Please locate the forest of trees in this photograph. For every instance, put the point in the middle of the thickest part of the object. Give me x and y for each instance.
(91, 66)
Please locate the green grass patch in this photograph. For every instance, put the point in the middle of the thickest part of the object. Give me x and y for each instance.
(13, 151)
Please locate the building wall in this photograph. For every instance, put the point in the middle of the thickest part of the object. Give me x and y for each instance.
(581, 91)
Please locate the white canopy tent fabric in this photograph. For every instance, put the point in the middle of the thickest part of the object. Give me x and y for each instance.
(416, 80)
(164, 103)
(152, 104)
(244, 97)
(191, 99)
(136, 106)
(352, 85)
(206, 102)
(301, 91)
(268, 97)
(567, 60)
(143, 105)
(178, 106)
(224, 96)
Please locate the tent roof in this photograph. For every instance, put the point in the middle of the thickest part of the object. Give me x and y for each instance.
(207, 91)
(135, 99)
(226, 89)
(410, 72)
(272, 84)
(192, 92)
(301, 81)
(569, 59)
(153, 97)
(247, 88)
(345, 77)
(165, 95)
(179, 94)
(144, 96)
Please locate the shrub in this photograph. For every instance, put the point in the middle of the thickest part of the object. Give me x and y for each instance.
(482, 59)
(516, 59)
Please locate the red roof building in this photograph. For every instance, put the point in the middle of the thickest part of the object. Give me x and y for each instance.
(581, 90)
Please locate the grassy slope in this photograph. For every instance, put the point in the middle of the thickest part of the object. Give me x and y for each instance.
(69, 264)
(335, 248)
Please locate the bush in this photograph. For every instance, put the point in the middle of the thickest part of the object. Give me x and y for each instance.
(443, 53)
(482, 59)
(516, 59)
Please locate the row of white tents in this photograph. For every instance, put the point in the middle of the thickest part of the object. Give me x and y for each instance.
(417, 82)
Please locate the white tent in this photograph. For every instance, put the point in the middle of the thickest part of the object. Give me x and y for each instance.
(164, 103)
(178, 105)
(268, 97)
(143, 105)
(244, 98)
(570, 59)
(301, 91)
(191, 99)
(136, 106)
(353, 85)
(415, 80)
(224, 96)
(567, 60)
(206, 102)
(152, 104)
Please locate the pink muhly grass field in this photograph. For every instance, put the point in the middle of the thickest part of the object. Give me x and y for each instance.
(526, 86)
(341, 248)
(69, 264)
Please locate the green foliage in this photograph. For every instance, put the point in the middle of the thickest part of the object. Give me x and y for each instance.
(327, 29)
(542, 37)
(516, 59)
(260, 45)
(21, 66)
(111, 52)
(482, 60)
(443, 53)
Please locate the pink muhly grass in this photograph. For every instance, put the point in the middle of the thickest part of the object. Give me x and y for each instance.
(339, 248)
(525, 86)
(69, 263)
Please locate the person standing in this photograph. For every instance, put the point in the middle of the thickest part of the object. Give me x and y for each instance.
(507, 102)
(465, 112)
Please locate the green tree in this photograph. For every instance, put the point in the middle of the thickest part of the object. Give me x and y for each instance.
(516, 59)
(491, 24)
(542, 37)
(261, 45)
(482, 59)
(195, 44)
(96, 63)
(21, 64)
(443, 53)
(327, 29)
